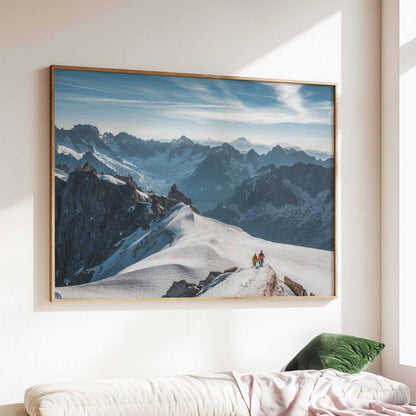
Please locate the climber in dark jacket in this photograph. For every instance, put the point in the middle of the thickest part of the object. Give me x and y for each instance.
(261, 258)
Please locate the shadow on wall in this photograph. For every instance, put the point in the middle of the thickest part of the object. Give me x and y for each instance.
(408, 56)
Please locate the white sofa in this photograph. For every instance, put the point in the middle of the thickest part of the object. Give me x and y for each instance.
(209, 395)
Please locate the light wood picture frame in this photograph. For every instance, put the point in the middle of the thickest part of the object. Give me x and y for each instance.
(165, 185)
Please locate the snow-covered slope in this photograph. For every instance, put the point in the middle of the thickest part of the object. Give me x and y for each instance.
(184, 245)
(111, 179)
(61, 174)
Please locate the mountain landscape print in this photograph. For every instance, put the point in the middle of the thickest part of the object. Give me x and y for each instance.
(191, 186)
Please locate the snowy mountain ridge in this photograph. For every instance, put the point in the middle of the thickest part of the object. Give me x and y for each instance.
(184, 245)
(207, 174)
(247, 282)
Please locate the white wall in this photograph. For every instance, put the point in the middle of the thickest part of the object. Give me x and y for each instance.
(329, 40)
(406, 191)
(398, 131)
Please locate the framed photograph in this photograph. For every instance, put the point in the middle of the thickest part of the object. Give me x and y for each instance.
(167, 186)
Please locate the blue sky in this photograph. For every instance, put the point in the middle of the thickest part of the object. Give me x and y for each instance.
(166, 107)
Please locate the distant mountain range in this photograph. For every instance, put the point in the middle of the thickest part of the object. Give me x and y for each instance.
(241, 144)
(244, 145)
(286, 204)
(208, 174)
(154, 165)
(217, 176)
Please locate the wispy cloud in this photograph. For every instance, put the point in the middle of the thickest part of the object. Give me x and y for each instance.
(142, 103)
(83, 87)
(290, 96)
(228, 107)
(290, 108)
(267, 117)
(191, 84)
(103, 100)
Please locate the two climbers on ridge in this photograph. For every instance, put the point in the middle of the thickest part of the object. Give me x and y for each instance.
(258, 259)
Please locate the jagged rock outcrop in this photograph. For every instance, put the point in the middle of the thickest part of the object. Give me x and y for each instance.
(85, 168)
(184, 289)
(92, 214)
(212, 276)
(160, 203)
(295, 287)
(63, 167)
(275, 287)
(176, 195)
(129, 180)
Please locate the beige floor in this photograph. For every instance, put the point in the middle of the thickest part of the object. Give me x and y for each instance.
(20, 411)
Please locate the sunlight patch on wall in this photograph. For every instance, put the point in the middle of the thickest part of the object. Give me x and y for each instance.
(315, 55)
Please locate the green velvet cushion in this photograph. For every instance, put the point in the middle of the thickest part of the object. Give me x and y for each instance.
(340, 352)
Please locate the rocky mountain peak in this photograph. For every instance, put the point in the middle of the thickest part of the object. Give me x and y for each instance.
(125, 138)
(63, 167)
(270, 168)
(86, 130)
(242, 144)
(129, 181)
(277, 150)
(228, 148)
(86, 168)
(184, 140)
(176, 195)
(242, 140)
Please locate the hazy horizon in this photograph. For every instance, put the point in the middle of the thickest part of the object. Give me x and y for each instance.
(166, 107)
(206, 141)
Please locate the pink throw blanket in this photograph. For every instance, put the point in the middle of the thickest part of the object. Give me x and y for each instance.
(312, 392)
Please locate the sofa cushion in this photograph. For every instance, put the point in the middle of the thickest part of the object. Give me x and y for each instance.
(212, 395)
